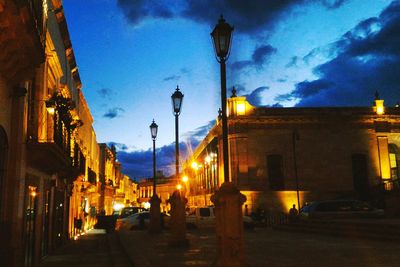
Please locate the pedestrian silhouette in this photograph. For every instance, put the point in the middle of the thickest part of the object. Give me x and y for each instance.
(293, 214)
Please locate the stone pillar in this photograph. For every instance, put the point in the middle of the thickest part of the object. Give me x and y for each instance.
(155, 215)
(229, 226)
(178, 220)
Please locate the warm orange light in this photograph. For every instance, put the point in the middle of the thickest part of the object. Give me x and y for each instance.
(195, 165)
(33, 194)
(380, 108)
(240, 108)
(179, 186)
(185, 179)
(208, 159)
(50, 110)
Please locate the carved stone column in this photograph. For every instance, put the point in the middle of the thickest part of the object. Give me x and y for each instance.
(229, 226)
(178, 220)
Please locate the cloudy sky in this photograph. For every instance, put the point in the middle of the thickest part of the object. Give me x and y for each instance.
(132, 54)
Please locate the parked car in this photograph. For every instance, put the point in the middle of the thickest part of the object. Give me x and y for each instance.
(126, 211)
(203, 217)
(138, 221)
(336, 209)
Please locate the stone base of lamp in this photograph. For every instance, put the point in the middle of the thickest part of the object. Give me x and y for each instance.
(155, 215)
(228, 203)
(177, 224)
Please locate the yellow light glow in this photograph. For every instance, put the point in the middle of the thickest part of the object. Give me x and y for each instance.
(208, 159)
(33, 194)
(380, 108)
(195, 165)
(185, 179)
(118, 206)
(146, 205)
(240, 108)
(179, 186)
(50, 110)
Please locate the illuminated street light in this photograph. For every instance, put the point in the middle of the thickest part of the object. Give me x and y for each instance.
(228, 200)
(177, 200)
(155, 213)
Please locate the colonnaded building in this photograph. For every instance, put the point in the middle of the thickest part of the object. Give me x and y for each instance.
(321, 153)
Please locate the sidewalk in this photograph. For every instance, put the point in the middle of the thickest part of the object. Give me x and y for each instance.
(94, 249)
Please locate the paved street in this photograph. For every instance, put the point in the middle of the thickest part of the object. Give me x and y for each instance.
(264, 247)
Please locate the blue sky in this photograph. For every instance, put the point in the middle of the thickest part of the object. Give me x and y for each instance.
(132, 54)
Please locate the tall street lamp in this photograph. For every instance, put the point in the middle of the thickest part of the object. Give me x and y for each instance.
(177, 200)
(228, 200)
(296, 137)
(155, 214)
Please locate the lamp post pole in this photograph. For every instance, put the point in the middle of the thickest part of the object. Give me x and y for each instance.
(177, 200)
(155, 213)
(295, 137)
(224, 120)
(228, 200)
(177, 146)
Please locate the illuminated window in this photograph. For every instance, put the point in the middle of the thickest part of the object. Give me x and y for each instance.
(275, 172)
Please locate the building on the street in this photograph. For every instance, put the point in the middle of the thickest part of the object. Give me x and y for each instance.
(322, 153)
(165, 187)
(107, 178)
(51, 166)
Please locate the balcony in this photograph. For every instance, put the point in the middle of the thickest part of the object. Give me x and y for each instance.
(54, 153)
(21, 39)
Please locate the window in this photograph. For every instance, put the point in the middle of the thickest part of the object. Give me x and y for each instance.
(360, 174)
(275, 172)
(394, 161)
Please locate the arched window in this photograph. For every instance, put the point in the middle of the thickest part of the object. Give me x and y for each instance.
(3, 157)
(394, 161)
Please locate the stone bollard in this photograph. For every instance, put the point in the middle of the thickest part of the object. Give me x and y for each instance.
(155, 215)
(228, 203)
(178, 220)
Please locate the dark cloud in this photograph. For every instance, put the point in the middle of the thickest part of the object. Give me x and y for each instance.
(284, 97)
(139, 10)
(332, 4)
(367, 59)
(247, 16)
(113, 112)
(255, 97)
(293, 62)
(139, 164)
(259, 58)
(105, 92)
(118, 146)
(172, 78)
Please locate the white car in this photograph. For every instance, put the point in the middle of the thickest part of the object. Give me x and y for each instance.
(204, 217)
(136, 221)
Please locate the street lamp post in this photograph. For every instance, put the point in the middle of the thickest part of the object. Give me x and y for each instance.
(296, 137)
(228, 200)
(177, 200)
(155, 213)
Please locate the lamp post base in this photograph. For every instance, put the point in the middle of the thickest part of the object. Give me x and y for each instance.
(229, 226)
(178, 220)
(155, 215)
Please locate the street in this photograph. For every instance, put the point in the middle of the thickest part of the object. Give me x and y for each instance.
(264, 247)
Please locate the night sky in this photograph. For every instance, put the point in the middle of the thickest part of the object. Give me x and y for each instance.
(132, 54)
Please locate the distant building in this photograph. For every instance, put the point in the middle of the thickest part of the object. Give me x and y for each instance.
(338, 152)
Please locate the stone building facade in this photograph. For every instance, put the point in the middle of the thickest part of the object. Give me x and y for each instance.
(50, 161)
(319, 153)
